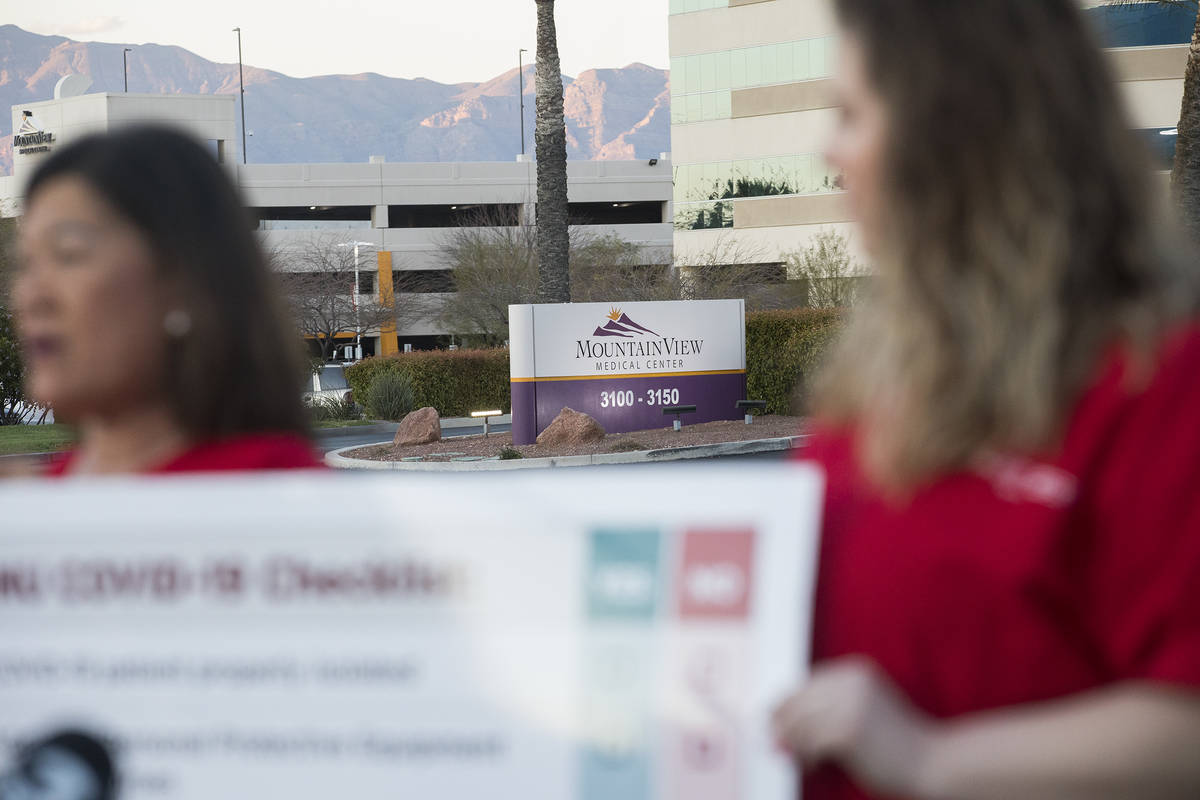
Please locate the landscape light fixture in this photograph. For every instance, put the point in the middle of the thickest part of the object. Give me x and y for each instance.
(242, 88)
(486, 415)
(125, 67)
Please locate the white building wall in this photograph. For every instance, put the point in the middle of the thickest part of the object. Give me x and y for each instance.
(794, 133)
(750, 25)
(1153, 104)
(209, 117)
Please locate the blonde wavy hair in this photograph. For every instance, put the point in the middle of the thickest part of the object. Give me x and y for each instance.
(1024, 236)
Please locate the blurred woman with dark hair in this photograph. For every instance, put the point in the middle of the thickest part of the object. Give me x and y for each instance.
(1008, 602)
(148, 316)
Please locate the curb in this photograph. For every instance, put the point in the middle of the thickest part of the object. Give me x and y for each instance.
(336, 460)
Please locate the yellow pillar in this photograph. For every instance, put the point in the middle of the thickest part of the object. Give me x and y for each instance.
(388, 345)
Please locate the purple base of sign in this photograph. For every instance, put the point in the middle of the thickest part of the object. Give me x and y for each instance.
(637, 407)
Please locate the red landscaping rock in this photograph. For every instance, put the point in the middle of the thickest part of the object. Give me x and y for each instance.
(571, 427)
(419, 427)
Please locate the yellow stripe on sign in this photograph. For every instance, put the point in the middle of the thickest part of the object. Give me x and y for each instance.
(633, 375)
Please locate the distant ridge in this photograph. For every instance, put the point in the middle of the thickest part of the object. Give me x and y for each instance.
(610, 113)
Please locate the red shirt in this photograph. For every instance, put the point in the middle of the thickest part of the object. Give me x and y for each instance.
(255, 451)
(1024, 579)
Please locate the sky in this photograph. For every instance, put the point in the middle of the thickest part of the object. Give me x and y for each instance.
(449, 41)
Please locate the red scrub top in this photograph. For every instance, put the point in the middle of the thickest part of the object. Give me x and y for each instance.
(257, 451)
(1025, 579)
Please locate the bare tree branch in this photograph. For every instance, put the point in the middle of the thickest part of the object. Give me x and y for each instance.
(318, 278)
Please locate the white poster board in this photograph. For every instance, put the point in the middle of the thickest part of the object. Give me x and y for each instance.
(593, 634)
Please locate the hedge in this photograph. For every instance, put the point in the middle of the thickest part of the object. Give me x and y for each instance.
(783, 350)
(455, 382)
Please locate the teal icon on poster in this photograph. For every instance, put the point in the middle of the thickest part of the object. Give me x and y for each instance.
(623, 574)
(605, 775)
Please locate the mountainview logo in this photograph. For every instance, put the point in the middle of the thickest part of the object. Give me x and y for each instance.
(621, 340)
(31, 139)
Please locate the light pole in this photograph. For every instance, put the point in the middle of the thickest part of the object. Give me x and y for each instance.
(125, 67)
(521, 94)
(242, 88)
(357, 325)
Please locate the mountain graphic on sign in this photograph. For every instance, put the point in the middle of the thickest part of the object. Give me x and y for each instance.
(619, 325)
(27, 127)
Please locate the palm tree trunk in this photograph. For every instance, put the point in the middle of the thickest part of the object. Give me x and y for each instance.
(1185, 175)
(550, 141)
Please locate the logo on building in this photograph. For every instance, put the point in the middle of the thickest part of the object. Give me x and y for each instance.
(29, 138)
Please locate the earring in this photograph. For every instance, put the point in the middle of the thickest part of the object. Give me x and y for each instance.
(177, 323)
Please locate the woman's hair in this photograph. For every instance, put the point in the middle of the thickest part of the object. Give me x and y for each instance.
(239, 368)
(1022, 237)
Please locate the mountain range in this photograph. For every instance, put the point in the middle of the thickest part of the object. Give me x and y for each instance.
(610, 113)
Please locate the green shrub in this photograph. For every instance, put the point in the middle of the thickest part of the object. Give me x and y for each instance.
(509, 453)
(390, 396)
(455, 382)
(324, 409)
(13, 408)
(783, 351)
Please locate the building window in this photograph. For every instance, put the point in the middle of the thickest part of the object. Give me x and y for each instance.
(1161, 143)
(479, 215)
(422, 281)
(301, 218)
(703, 216)
(632, 213)
(1143, 24)
(702, 85)
(688, 6)
(755, 177)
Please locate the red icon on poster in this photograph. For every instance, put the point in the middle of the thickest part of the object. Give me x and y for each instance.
(717, 574)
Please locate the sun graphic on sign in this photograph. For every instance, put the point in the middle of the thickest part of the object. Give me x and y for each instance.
(614, 314)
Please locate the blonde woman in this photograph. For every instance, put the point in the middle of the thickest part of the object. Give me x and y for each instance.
(1009, 595)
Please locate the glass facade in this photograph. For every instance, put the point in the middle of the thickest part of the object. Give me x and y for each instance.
(1161, 143)
(1143, 24)
(688, 6)
(704, 192)
(701, 85)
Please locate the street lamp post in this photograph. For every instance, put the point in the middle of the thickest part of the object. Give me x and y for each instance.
(242, 89)
(521, 94)
(125, 67)
(357, 323)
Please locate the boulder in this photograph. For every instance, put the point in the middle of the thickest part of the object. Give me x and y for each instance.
(571, 427)
(419, 427)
